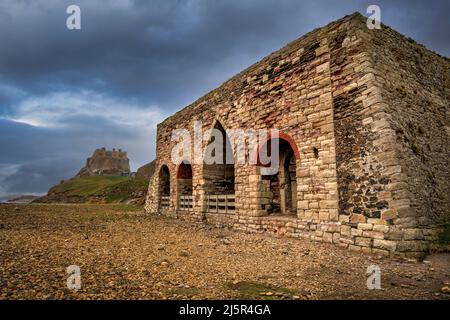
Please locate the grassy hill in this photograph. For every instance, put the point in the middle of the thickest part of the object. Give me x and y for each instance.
(98, 189)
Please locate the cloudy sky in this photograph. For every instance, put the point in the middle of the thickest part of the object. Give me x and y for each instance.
(64, 93)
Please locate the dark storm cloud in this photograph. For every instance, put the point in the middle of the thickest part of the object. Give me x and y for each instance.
(45, 156)
(37, 177)
(143, 57)
(153, 50)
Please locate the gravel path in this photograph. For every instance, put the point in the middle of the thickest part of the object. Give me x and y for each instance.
(124, 254)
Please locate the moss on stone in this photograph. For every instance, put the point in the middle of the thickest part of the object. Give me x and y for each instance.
(258, 291)
(444, 236)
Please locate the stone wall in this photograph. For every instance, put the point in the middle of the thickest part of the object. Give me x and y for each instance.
(416, 89)
(326, 95)
(365, 149)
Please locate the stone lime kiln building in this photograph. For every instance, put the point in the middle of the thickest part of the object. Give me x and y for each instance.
(363, 117)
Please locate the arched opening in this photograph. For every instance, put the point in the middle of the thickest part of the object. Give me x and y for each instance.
(184, 186)
(218, 172)
(281, 186)
(164, 187)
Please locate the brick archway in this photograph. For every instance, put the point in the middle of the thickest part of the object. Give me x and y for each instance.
(280, 136)
(185, 170)
(164, 186)
(164, 180)
(184, 186)
(281, 184)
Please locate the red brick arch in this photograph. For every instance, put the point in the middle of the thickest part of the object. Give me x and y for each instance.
(281, 136)
(182, 174)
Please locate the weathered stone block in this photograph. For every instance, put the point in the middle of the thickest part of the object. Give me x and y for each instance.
(381, 228)
(336, 237)
(328, 204)
(346, 231)
(356, 218)
(385, 244)
(327, 237)
(413, 245)
(381, 252)
(412, 234)
(389, 214)
(406, 222)
(356, 232)
(404, 212)
(366, 250)
(324, 216)
(373, 234)
(363, 242)
(365, 226)
(354, 248)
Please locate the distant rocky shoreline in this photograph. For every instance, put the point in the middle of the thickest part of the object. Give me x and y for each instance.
(21, 199)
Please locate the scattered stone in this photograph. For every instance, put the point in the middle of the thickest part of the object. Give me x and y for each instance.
(184, 253)
(394, 284)
(139, 272)
(445, 289)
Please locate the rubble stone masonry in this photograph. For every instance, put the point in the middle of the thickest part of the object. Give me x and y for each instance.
(367, 115)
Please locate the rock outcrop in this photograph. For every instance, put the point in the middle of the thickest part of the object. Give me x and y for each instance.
(147, 170)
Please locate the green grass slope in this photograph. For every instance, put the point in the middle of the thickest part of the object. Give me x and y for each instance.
(98, 189)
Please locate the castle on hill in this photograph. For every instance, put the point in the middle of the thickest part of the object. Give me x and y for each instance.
(106, 163)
